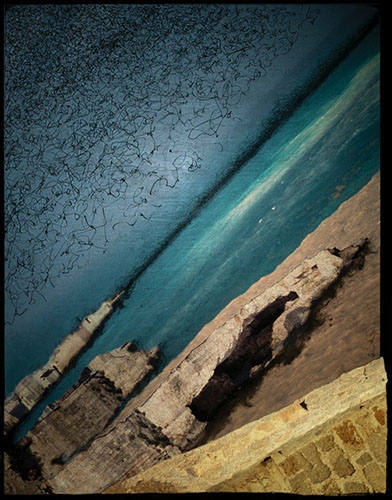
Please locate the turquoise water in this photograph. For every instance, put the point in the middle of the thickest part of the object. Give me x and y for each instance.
(257, 219)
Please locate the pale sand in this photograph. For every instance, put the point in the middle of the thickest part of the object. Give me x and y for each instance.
(348, 340)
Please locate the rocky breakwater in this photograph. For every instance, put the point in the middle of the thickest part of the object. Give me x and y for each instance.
(32, 388)
(72, 422)
(171, 418)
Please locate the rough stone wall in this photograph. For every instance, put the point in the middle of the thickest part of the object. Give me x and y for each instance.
(348, 456)
(331, 442)
(73, 422)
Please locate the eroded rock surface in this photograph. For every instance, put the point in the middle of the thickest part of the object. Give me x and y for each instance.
(32, 388)
(74, 420)
(241, 347)
(179, 408)
(130, 446)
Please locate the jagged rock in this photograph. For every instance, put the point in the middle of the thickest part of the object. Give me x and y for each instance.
(83, 412)
(125, 366)
(180, 406)
(132, 445)
(16, 484)
(251, 338)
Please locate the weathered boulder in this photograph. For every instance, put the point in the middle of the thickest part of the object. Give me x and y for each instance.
(130, 446)
(125, 366)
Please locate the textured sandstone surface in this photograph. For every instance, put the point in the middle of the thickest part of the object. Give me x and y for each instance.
(71, 422)
(332, 441)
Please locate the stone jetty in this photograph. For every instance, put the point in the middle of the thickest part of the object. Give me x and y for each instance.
(32, 388)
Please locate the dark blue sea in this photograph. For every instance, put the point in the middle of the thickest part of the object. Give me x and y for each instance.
(323, 153)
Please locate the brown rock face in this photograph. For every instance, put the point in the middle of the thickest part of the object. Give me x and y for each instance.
(183, 403)
(252, 352)
(241, 347)
(130, 446)
(84, 411)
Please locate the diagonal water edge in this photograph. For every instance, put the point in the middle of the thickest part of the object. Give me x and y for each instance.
(189, 271)
(280, 115)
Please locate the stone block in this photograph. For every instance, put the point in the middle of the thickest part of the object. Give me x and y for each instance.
(364, 459)
(311, 454)
(379, 415)
(349, 435)
(354, 487)
(300, 484)
(376, 476)
(316, 470)
(377, 444)
(342, 466)
(290, 466)
(366, 425)
(302, 462)
(319, 473)
(330, 488)
(326, 443)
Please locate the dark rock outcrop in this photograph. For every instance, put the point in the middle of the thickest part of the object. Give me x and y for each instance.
(250, 356)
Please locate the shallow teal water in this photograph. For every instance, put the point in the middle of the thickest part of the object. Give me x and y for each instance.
(260, 216)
